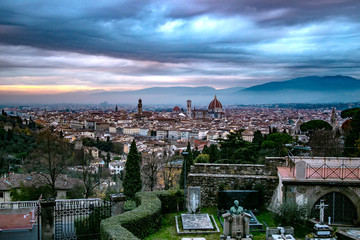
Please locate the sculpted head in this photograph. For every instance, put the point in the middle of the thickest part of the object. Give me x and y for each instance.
(236, 202)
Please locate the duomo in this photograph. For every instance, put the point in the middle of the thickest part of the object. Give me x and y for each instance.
(215, 110)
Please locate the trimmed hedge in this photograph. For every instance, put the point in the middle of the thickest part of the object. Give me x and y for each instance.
(171, 200)
(143, 220)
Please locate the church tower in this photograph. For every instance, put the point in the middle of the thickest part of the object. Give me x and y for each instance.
(116, 108)
(140, 106)
(333, 120)
(188, 108)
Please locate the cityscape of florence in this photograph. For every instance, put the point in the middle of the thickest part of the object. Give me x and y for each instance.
(180, 120)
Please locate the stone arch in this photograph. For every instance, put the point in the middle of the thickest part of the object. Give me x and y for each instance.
(346, 191)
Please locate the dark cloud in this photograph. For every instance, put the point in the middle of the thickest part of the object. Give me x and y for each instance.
(249, 39)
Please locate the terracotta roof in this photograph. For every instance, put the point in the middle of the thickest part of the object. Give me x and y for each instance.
(176, 109)
(285, 172)
(215, 103)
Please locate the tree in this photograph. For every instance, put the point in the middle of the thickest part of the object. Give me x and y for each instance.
(324, 143)
(214, 153)
(234, 149)
(258, 138)
(352, 134)
(150, 170)
(132, 181)
(313, 125)
(51, 157)
(91, 177)
(277, 141)
(168, 170)
(107, 159)
(202, 158)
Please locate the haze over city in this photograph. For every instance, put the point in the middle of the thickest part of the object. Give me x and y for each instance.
(49, 48)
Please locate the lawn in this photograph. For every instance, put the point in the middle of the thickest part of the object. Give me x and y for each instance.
(168, 227)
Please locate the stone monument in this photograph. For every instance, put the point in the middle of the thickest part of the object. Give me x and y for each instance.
(236, 223)
(194, 221)
(321, 230)
(193, 199)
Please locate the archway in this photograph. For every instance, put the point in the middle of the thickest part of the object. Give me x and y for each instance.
(340, 209)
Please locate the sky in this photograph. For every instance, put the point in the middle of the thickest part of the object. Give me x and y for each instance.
(65, 46)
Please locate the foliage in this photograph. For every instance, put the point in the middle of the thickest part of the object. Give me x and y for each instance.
(132, 181)
(315, 125)
(349, 113)
(202, 158)
(214, 153)
(258, 138)
(76, 192)
(129, 205)
(106, 146)
(171, 200)
(324, 143)
(91, 224)
(29, 193)
(51, 156)
(352, 136)
(136, 224)
(234, 149)
(291, 213)
(277, 141)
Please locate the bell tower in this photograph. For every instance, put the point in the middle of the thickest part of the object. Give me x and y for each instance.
(140, 106)
(188, 108)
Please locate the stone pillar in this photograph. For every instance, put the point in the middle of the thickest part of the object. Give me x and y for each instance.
(247, 218)
(237, 226)
(47, 219)
(227, 224)
(117, 203)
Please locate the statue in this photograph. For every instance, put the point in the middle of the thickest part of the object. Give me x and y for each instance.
(236, 210)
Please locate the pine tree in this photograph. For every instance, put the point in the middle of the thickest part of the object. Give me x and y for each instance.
(132, 181)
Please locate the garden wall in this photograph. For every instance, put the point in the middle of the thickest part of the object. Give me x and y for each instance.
(214, 177)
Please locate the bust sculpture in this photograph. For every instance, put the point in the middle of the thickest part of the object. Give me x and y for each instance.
(236, 210)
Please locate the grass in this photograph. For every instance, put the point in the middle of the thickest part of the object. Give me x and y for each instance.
(168, 227)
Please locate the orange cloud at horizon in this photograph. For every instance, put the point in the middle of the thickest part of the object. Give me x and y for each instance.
(44, 89)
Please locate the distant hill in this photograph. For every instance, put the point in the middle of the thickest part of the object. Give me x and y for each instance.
(311, 83)
(310, 89)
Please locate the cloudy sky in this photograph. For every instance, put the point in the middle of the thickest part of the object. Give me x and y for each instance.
(66, 45)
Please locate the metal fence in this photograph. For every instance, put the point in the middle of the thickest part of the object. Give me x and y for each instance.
(79, 218)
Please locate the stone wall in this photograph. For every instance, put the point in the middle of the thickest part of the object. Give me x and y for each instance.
(244, 176)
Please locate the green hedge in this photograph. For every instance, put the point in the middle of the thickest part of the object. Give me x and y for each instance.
(143, 220)
(171, 200)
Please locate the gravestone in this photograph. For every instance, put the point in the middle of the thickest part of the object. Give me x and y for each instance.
(300, 170)
(193, 199)
(196, 222)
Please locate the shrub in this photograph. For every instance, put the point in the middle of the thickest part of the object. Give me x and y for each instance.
(171, 200)
(138, 223)
(143, 220)
(129, 205)
(291, 213)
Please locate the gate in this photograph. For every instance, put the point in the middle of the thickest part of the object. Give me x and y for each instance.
(79, 218)
(340, 209)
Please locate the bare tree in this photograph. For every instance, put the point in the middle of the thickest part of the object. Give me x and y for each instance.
(50, 157)
(91, 176)
(169, 171)
(150, 169)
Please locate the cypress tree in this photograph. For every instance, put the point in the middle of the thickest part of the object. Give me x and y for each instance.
(132, 181)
